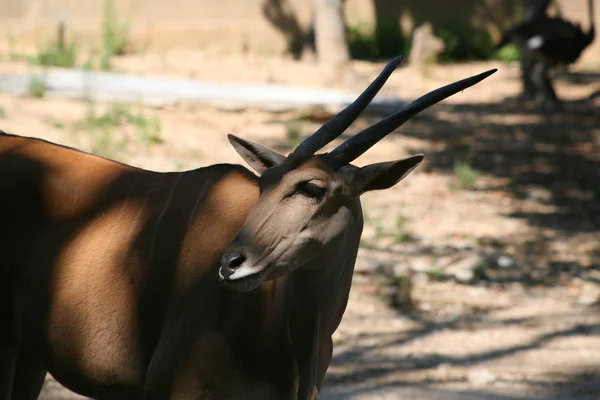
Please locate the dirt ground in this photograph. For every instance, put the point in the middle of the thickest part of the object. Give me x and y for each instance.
(485, 291)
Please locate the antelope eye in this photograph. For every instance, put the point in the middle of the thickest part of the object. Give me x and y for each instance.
(311, 190)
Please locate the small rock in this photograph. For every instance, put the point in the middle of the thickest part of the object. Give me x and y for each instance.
(480, 377)
(590, 294)
(539, 194)
(464, 270)
(502, 268)
(421, 264)
(505, 262)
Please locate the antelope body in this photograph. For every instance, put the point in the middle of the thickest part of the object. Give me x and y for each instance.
(213, 283)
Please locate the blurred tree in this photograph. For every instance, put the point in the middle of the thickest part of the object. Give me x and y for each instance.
(330, 35)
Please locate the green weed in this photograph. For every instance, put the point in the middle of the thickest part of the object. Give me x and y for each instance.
(507, 53)
(386, 41)
(58, 53)
(148, 128)
(479, 272)
(114, 38)
(37, 87)
(466, 176)
(56, 124)
(56, 56)
(379, 230)
(401, 236)
(437, 275)
(293, 130)
(462, 41)
(361, 44)
(105, 145)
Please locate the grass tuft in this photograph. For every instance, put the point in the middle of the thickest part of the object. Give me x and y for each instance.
(37, 87)
(114, 38)
(466, 176)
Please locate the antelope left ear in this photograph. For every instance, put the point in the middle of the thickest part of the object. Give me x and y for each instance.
(383, 175)
(258, 157)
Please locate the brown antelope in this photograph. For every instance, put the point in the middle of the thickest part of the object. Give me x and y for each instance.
(206, 284)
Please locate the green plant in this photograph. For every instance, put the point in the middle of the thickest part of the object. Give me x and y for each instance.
(104, 144)
(389, 39)
(56, 56)
(361, 44)
(114, 35)
(386, 41)
(453, 322)
(2, 112)
(148, 128)
(111, 118)
(508, 53)
(437, 274)
(58, 53)
(379, 230)
(402, 295)
(375, 221)
(56, 124)
(479, 273)
(465, 175)
(293, 130)
(400, 236)
(37, 87)
(462, 41)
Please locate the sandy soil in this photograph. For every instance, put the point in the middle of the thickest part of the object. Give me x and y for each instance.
(434, 313)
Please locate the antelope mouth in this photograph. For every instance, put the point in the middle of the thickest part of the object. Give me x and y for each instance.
(245, 277)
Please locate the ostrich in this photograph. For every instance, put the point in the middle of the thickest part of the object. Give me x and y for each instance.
(546, 42)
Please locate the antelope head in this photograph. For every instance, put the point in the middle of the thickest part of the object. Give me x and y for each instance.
(308, 205)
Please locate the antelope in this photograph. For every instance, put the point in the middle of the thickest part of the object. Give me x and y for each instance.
(213, 283)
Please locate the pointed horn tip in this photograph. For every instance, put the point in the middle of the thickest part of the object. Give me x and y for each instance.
(418, 158)
(475, 79)
(397, 60)
(485, 74)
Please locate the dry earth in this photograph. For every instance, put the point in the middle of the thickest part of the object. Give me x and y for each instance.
(484, 293)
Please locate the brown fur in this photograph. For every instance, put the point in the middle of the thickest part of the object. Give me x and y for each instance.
(105, 262)
(109, 275)
(79, 265)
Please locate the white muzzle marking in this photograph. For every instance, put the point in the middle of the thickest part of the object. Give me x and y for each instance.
(240, 273)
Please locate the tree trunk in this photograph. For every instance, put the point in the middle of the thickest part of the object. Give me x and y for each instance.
(330, 35)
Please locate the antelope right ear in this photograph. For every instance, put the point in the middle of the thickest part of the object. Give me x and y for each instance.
(258, 157)
(383, 175)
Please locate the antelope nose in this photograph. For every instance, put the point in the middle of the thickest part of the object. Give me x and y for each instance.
(230, 261)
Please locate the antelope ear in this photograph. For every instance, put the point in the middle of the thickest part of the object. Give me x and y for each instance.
(258, 157)
(383, 175)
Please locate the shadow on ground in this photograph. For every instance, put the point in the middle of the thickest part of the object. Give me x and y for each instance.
(385, 379)
(557, 153)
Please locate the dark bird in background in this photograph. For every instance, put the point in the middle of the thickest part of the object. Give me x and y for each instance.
(545, 42)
